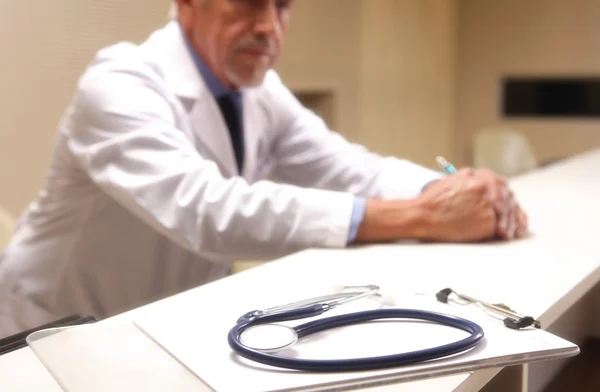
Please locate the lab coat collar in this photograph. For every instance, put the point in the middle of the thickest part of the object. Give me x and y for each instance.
(181, 73)
(216, 87)
(184, 80)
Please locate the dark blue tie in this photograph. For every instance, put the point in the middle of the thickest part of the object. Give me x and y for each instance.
(231, 108)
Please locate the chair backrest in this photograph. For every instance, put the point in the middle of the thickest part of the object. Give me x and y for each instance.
(506, 151)
(6, 228)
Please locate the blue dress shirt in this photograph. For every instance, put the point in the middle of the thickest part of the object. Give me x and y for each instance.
(358, 214)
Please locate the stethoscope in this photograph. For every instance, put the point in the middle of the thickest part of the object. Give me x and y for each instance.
(240, 340)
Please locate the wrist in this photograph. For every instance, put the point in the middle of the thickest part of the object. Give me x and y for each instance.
(388, 220)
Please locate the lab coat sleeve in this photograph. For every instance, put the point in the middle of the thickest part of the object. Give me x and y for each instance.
(309, 154)
(123, 135)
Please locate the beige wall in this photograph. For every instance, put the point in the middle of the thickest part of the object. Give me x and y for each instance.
(525, 37)
(414, 78)
(390, 65)
(408, 68)
(384, 70)
(321, 57)
(44, 47)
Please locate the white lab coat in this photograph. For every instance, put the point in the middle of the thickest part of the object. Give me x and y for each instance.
(142, 199)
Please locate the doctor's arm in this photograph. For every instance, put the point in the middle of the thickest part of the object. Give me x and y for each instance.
(123, 133)
(399, 198)
(309, 154)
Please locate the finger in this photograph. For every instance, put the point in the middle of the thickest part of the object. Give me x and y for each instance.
(491, 176)
(507, 212)
(496, 198)
(503, 213)
(465, 171)
(522, 222)
(513, 217)
(505, 205)
(494, 186)
(500, 179)
(500, 198)
(509, 223)
(493, 224)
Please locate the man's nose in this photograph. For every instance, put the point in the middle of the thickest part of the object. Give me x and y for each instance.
(268, 22)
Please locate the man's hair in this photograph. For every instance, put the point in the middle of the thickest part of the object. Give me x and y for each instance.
(173, 11)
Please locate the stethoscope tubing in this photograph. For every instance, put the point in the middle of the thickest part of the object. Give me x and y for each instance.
(354, 364)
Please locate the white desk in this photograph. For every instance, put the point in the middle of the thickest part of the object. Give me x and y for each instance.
(548, 275)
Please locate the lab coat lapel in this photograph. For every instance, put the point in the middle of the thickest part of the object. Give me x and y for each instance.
(210, 129)
(207, 123)
(252, 130)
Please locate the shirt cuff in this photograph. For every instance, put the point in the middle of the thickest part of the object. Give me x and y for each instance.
(428, 183)
(358, 214)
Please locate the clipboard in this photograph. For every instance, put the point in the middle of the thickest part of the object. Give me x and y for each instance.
(198, 341)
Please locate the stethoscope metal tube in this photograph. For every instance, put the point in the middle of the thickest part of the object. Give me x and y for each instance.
(330, 301)
(258, 318)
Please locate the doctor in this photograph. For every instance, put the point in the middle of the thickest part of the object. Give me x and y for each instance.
(161, 167)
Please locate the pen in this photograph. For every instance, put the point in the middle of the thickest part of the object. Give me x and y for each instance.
(446, 166)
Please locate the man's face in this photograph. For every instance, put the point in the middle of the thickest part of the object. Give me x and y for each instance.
(240, 40)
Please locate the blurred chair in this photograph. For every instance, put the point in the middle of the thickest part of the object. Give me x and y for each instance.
(6, 228)
(506, 151)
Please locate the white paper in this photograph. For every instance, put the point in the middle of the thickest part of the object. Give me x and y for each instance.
(198, 340)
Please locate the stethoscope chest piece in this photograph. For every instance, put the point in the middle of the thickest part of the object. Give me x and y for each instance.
(269, 338)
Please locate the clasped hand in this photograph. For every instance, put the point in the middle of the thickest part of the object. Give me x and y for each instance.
(475, 204)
